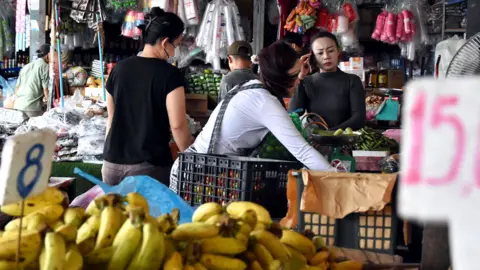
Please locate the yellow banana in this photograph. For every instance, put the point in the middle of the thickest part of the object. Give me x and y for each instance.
(1, 233)
(241, 237)
(188, 267)
(318, 243)
(93, 208)
(297, 254)
(100, 256)
(165, 223)
(34, 221)
(249, 217)
(151, 253)
(169, 246)
(262, 254)
(174, 262)
(88, 229)
(73, 258)
(223, 245)
(218, 262)
(55, 224)
(29, 242)
(299, 242)
(323, 266)
(255, 265)
(68, 231)
(319, 258)
(275, 265)
(214, 220)
(350, 265)
(236, 209)
(189, 231)
(205, 211)
(51, 212)
(111, 220)
(86, 246)
(134, 200)
(55, 251)
(150, 219)
(126, 242)
(244, 228)
(250, 256)
(74, 216)
(260, 226)
(272, 243)
(25, 259)
(49, 196)
(199, 266)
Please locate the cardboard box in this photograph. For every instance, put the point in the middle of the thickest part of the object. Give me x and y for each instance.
(396, 79)
(197, 104)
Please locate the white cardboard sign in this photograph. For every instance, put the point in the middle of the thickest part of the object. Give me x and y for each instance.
(26, 165)
(440, 171)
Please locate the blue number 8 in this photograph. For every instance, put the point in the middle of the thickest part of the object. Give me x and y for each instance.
(30, 161)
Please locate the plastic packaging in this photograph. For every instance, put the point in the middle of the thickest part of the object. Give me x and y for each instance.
(191, 12)
(133, 19)
(160, 198)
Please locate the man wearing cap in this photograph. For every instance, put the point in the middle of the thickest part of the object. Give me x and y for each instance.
(240, 64)
(32, 84)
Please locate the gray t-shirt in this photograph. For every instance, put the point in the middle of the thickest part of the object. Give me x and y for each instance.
(233, 79)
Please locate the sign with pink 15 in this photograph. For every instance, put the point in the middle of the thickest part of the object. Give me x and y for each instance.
(440, 157)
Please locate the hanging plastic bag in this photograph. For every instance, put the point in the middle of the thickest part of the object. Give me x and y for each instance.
(160, 198)
(191, 12)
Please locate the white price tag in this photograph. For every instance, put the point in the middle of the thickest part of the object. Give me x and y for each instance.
(26, 165)
(440, 174)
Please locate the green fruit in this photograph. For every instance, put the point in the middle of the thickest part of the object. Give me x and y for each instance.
(349, 131)
(338, 132)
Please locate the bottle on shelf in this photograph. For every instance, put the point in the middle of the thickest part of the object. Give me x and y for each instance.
(372, 78)
(382, 78)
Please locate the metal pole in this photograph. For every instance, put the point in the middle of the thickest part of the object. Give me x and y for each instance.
(100, 52)
(59, 54)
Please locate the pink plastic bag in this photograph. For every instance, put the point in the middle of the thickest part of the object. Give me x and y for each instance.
(84, 199)
(395, 134)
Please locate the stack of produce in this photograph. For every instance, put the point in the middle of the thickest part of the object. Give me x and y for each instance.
(207, 83)
(116, 232)
(372, 140)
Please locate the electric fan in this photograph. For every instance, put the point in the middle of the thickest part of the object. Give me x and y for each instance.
(467, 59)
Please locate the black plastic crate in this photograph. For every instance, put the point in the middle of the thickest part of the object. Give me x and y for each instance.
(213, 178)
(375, 231)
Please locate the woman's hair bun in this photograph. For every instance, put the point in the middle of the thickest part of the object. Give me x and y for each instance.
(156, 12)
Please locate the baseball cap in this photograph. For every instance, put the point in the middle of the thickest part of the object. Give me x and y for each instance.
(240, 48)
(43, 50)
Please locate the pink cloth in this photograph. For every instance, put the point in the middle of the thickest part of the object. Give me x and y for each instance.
(395, 134)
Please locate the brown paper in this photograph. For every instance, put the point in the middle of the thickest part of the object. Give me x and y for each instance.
(338, 194)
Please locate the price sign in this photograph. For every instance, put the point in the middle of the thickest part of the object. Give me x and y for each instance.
(26, 165)
(440, 148)
(440, 175)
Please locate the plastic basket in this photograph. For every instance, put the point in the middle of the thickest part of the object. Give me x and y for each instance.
(206, 178)
(374, 231)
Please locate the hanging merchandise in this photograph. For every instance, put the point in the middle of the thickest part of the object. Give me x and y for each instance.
(301, 18)
(20, 25)
(191, 12)
(85, 11)
(401, 24)
(220, 27)
(130, 27)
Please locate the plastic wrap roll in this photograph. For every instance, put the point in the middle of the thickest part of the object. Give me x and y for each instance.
(203, 25)
(222, 52)
(411, 50)
(216, 37)
(227, 11)
(239, 34)
(209, 28)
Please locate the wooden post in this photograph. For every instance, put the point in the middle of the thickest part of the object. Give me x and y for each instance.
(435, 248)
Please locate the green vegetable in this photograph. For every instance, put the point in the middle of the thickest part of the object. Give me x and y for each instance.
(338, 132)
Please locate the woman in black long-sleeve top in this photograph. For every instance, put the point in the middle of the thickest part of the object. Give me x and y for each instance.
(337, 96)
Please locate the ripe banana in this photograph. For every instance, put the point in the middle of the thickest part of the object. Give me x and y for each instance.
(297, 254)
(49, 196)
(249, 256)
(134, 199)
(350, 265)
(298, 241)
(68, 231)
(29, 242)
(165, 223)
(74, 216)
(126, 242)
(262, 254)
(244, 228)
(88, 229)
(218, 262)
(255, 265)
(33, 222)
(236, 209)
(100, 256)
(318, 243)
(151, 253)
(242, 238)
(169, 247)
(111, 220)
(319, 258)
(189, 231)
(55, 251)
(275, 265)
(199, 266)
(73, 258)
(55, 224)
(150, 219)
(87, 246)
(174, 262)
(272, 243)
(25, 259)
(93, 208)
(214, 220)
(223, 245)
(188, 267)
(205, 211)
(249, 217)
(51, 212)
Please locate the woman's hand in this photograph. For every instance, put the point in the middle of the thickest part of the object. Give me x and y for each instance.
(306, 68)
